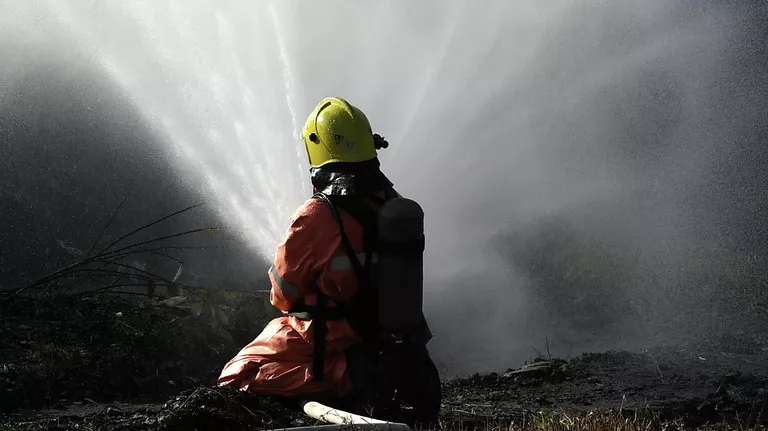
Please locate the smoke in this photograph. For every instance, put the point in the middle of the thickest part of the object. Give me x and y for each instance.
(594, 169)
(587, 167)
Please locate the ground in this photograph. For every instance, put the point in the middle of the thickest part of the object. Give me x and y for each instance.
(130, 363)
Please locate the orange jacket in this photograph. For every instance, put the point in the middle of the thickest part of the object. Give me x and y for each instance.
(311, 258)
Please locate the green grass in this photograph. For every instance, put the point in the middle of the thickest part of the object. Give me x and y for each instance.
(591, 421)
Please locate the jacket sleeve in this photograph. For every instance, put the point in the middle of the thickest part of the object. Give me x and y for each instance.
(301, 257)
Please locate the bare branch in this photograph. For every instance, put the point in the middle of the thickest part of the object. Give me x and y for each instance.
(146, 226)
(109, 222)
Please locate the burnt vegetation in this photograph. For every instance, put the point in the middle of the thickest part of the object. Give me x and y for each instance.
(101, 344)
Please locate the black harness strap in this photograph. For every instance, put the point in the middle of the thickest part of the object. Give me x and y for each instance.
(356, 265)
(320, 314)
(353, 312)
(318, 349)
(362, 307)
(308, 312)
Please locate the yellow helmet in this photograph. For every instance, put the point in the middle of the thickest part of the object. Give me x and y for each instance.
(337, 132)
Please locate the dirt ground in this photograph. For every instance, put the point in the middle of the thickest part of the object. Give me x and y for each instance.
(672, 384)
(116, 363)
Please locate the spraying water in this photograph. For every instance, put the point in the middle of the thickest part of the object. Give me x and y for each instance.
(602, 119)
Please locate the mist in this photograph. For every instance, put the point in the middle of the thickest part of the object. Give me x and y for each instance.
(589, 169)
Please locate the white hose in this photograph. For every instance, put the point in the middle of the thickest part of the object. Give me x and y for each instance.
(341, 419)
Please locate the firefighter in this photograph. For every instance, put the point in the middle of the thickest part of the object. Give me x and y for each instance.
(326, 343)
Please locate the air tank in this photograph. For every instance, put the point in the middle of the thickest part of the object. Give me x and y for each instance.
(400, 269)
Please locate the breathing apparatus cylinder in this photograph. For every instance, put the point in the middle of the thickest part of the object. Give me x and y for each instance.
(400, 270)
